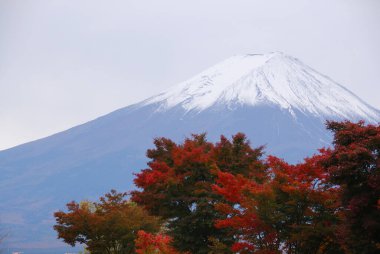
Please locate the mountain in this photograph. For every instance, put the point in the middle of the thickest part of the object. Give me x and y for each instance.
(270, 79)
(274, 98)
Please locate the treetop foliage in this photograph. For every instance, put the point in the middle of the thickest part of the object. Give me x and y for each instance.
(108, 226)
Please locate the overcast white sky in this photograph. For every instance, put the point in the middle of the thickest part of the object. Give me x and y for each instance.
(63, 63)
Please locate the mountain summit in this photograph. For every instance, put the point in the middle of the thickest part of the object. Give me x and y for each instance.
(264, 79)
(275, 99)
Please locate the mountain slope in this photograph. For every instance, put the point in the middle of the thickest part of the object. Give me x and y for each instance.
(273, 98)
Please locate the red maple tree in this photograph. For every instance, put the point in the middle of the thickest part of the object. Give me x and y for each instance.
(147, 243)
(293, 210)
(178, 186)
(354, 165)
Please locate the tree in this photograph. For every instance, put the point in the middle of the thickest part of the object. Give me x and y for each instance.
(293, 210)
(108, 226)
(222, 198)
(354, 165)
(147, 243)
(178, 186)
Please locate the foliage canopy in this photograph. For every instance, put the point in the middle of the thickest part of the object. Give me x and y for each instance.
(108, 226)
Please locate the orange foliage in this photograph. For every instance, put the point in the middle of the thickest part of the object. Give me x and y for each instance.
(147, 243)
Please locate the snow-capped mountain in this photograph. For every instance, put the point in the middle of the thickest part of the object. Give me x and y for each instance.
(275, 99)
(273, 78)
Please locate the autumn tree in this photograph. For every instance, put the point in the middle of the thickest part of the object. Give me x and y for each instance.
(293, 210)
(108, 226)
(147, 243)
(306, 206)
(354, 165)
(178, 186)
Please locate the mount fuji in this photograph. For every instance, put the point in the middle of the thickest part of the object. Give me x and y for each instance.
(275, 99)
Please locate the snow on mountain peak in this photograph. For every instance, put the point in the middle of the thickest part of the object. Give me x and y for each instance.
(257, 79)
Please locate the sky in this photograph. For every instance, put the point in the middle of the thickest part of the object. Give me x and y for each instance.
(65, 62)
